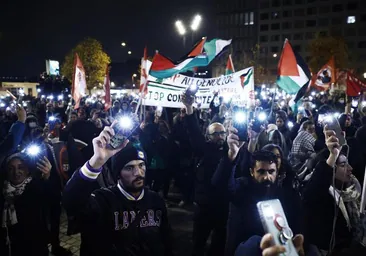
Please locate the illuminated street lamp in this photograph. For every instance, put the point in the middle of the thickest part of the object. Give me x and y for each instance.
(196, 22)
(129, 52)
(180, 27)
(275, 55)
(123, 44)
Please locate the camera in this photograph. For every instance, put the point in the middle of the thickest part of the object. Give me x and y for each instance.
(241, 124)
(123, 130)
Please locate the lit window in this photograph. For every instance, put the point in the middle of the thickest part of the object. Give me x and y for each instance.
(251, 22)
(351, 19)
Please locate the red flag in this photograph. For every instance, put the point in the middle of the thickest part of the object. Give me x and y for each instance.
(78, 81)
(325, 77)
(107, 90)
(144, 73)
(354, 85)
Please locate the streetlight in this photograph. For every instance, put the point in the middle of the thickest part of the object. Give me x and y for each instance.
(275, 55)
(129, 52)
(196, 22)
(134, 75)
(123, 44)
(180, 27)
(364, 75)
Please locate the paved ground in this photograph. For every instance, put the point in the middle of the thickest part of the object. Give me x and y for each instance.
(180, 219)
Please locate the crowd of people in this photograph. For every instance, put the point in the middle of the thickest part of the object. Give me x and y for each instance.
(55, 157)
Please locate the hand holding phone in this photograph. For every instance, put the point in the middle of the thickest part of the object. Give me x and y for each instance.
(240, 123)
(333, 124)
(123, 130)
(274, 222)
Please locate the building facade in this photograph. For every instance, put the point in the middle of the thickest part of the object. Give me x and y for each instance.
(299, 21)
(238, 20)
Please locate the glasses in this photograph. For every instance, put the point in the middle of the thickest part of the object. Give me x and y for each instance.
(218, 133)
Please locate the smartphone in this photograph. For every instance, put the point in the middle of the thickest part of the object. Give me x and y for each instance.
(123, 130)
(241, 124)
(256, 126)
(192, 90)
(274, 222)
(334, 125)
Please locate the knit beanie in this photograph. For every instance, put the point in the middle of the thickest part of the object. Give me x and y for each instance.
(129, 153)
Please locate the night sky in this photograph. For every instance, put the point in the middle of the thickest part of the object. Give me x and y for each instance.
(32, 31)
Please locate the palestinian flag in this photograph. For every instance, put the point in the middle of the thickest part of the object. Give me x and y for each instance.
(293, 73)
(229, 66)
(325, 77)
(162, 67)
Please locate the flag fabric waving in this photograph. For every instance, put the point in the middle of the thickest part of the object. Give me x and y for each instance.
(78, 82)
(229, 66)
(162, 67)
(325, 77)
(107, 89)
(354, 85)
(293, 73)
(144, 75)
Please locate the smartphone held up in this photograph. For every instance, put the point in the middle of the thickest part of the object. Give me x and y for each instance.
(123, 129)
(274, 221)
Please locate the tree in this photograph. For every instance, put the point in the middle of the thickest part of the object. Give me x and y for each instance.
(93, 58)
(322, 48)
(259, 71)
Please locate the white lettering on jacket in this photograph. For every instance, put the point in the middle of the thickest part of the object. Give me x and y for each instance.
(151, 218)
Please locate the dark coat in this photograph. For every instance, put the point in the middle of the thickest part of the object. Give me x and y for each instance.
(29, 235)
(209, 156)
(319, 211)
(110, 213)
(244, 220)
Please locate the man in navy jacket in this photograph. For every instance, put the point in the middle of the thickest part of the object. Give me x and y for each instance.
(125, 219)
(244, 220)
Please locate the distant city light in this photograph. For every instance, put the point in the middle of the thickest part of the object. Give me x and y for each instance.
(351, 19)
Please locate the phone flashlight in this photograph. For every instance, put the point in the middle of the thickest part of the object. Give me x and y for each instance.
(2, 105)
(33, 150)
(51, 119)
(123, 129)
(192, 90)
(240, 124)
(290, 124)
(262, 116)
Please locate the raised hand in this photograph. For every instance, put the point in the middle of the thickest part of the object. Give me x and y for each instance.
(233, 143)
(45, 167)
(333, 146)
(188, 101)
(268, 249)
(21, 113)
(101, 150)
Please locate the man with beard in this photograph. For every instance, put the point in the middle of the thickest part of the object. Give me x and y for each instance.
(211, 207)
(125, 219)
(244, 220)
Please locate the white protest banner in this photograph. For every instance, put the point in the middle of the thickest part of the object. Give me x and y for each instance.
(238, 86)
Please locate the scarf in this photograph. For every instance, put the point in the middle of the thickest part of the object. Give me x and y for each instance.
(10, 193)
(351, 211)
